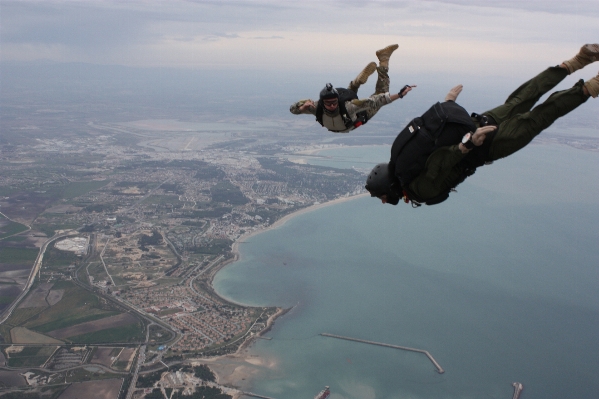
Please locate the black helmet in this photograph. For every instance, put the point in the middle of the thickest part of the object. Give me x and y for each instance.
(328, 92)
(381, 182)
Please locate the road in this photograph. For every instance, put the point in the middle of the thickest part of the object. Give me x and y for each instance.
(34, 270)
(140, 360)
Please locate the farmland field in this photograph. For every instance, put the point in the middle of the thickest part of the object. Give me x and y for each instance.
(71, 312)
(75, 189)
(66, 323)
(18, 255)
(9, 228)
(129, 333)
(32, 356)
(22, 335)
(11, 379)
(125, 359)
(37, 297)
(102, 389)
(105, 355)
(119, 320)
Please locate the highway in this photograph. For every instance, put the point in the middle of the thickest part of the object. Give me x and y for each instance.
(34, 270)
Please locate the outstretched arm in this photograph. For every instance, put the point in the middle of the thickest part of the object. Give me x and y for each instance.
(404, 91)
(454, 93)
(303, 107)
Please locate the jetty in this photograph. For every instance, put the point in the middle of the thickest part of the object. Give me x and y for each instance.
(518, 387)
(254, 395)
(405, 348)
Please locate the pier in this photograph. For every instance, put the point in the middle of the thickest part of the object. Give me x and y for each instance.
(255, 395)
(405, 348)
(517, 390)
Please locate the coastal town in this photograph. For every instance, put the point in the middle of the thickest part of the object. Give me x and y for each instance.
(122, 245)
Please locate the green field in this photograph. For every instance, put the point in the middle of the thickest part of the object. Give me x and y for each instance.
(56, 259)
(129, 333)
(16, 238)
(62, 323)
(20, 316)
(18, 255)
(33, 361)
(76, 306)
(76, 189)
(31, 356)
(50, 229)
(81, 374)
(12, 228)
(6, 299)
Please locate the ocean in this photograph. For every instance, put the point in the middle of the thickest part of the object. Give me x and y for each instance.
(499, 284)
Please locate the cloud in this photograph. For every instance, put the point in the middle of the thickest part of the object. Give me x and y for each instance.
(572, 7)
(442, 35)
(219, 36)
(268, 37)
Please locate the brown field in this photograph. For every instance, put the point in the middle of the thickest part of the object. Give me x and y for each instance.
(14, 273)
(22, 335)
(102, 389)
(119, 320)
(105, 355)
(37, 297)
(54, 296)
(12, 282)
(11, 379)
(25, 207)
(127, 355)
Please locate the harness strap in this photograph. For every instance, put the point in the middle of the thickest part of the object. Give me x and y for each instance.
(484, 120)
(406, 198)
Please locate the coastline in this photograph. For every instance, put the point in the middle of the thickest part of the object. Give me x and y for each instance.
(275, 225)
(286, 218)
(237, 369)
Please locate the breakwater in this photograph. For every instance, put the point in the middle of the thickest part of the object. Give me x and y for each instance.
(405, 348)
(255, 395)
(518, 387)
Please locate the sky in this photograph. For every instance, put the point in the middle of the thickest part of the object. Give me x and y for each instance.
(476, 37)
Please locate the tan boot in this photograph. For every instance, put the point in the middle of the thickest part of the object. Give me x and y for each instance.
(384, 54)
(588, 53)
(366, 72)
(593, 86)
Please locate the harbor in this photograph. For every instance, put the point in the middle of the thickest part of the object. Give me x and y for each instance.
(405, 348)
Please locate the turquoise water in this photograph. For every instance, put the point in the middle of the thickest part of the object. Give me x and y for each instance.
(499, 284)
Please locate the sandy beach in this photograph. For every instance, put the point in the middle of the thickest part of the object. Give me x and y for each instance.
(285, 219)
